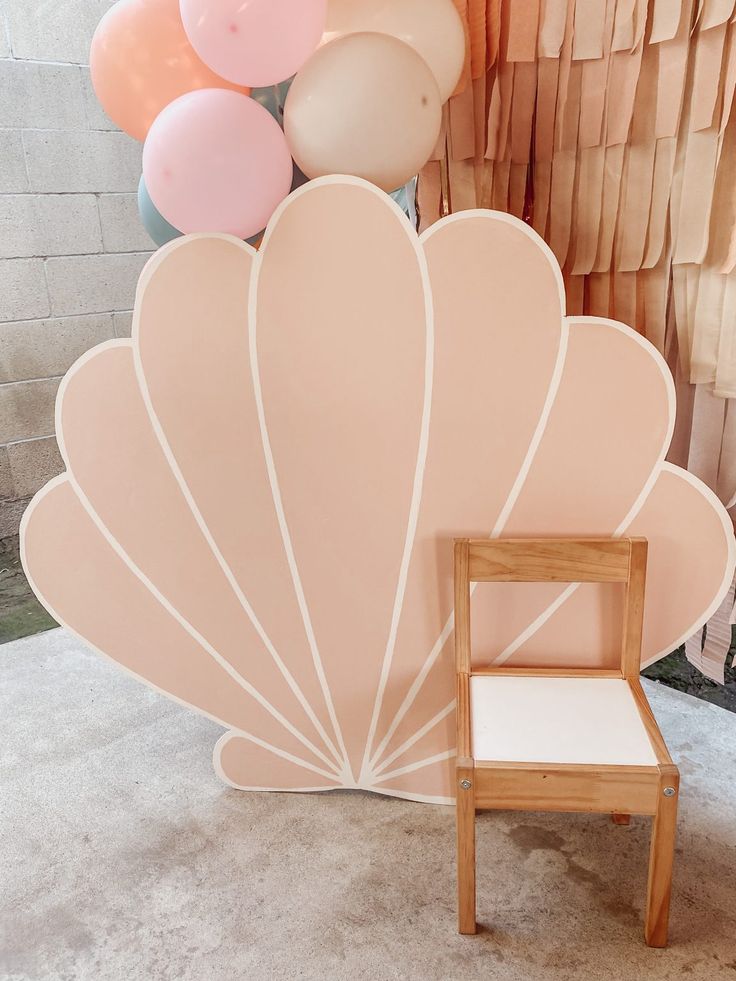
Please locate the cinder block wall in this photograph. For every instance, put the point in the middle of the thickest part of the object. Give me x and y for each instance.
(71, 243)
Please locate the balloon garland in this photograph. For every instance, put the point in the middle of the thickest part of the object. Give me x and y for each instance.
(238, 104)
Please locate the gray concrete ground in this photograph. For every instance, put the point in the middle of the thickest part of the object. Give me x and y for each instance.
(124, 858)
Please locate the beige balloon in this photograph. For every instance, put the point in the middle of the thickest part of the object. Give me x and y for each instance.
(432, 27)
(365, 104)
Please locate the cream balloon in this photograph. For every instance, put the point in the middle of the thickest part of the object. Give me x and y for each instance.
(432, 27)
(365, 104)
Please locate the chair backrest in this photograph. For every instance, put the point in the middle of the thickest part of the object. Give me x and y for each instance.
(553, 560)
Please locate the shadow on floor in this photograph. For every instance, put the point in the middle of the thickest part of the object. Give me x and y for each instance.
(677, 672)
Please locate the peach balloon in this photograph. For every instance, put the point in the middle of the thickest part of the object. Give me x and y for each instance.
(432, 27)
(216, 161)
(141, 60)
(365, 104)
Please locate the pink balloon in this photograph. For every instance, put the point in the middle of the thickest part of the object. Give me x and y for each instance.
(254, 42)
(216, 161)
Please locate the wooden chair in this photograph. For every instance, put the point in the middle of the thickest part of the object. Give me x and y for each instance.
(560, 739)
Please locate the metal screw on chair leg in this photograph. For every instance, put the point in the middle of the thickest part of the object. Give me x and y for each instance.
(669, 791)
(465, 784)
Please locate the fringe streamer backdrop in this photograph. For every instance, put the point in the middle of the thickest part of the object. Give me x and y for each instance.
(608, 126)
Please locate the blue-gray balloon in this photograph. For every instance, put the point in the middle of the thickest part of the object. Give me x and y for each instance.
(404, 197)
(160, 230)
(273, 98)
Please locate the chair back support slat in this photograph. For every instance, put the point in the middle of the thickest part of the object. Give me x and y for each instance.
(549, 560)
(462, 607)
(553, 560)
(634, 609)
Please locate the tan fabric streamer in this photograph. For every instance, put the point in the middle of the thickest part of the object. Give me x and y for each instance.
(608, 125)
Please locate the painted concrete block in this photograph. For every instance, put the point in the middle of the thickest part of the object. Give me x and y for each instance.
(86, 161)
(4, 37)
(122, 228)
(41, 96)
(97, 118)
(44, 31)
(10, 514)
(47, 348)
(32, 463)
(27, 409)
(7, 492)
(13, 176)
(93, 283)
(123, 323)
(23, 292)
(48, 224)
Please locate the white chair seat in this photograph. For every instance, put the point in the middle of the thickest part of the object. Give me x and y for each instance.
(557, 720)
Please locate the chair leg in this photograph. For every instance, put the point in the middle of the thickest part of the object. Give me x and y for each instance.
(465, 813)
(621, 818)
(661, 857)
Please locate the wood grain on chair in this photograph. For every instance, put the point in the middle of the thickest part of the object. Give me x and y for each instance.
(556, 738)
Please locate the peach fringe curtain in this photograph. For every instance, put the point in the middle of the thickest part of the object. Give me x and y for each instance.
(608, 126)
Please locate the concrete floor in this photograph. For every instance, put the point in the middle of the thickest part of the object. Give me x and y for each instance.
(124, 858)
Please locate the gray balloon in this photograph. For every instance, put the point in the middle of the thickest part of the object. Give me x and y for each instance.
(298, 179)
(160, 230)
(272, 98)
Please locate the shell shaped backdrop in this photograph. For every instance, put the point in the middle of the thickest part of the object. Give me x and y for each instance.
(262, 486)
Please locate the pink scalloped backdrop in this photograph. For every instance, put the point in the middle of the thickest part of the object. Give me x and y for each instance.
(262, 486)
